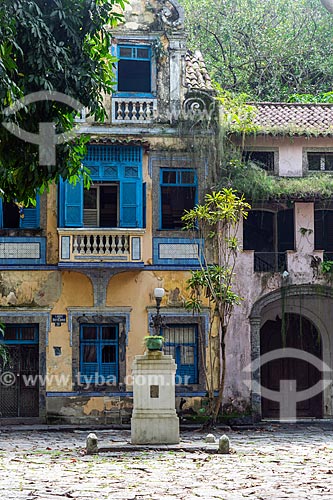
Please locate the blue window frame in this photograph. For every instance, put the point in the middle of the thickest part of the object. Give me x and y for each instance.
(181, 341)
(20, 334)
(115, 197)
(178, 193)
(134, 73)
(99, 358)
(12, 216)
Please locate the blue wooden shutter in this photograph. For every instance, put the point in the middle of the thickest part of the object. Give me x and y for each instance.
(1, 213)
(31, 216)
(144, 204)
(70, 204)
(130, 204)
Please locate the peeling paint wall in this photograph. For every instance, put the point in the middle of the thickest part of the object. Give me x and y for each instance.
(29, 288)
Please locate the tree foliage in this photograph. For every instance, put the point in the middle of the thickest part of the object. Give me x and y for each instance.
(268, 49)
(53, 45)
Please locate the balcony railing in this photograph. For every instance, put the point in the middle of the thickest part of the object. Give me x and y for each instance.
(93, 245)
(270, 262)
(131, 110)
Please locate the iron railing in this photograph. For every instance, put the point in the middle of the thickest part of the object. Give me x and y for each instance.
(270, 262)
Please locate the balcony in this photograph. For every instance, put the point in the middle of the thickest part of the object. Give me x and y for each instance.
(100, 245)
(132, 110)
(270, 262)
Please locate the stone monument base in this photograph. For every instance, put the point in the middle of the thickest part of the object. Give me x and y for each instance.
(153, 428)
(154, 418)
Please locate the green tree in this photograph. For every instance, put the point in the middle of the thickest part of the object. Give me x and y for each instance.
(52, 45)
(216, 224)
(268, 49)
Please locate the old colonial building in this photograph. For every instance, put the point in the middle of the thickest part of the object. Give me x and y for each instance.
(287, 298)
(78, 271)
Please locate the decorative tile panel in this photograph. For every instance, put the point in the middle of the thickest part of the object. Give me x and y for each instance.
(19, 251)
(181, 251)
(177, 251)
(16, 250)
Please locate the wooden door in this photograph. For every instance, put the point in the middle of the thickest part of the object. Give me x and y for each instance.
(300, 333)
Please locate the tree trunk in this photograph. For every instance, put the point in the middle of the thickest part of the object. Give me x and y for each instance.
(328, 4)
(218, 400)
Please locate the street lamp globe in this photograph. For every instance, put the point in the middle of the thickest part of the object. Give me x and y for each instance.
(159, 293)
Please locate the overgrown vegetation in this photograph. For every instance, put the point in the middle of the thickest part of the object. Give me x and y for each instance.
(257, 185)
(228, 168)
(326, 269)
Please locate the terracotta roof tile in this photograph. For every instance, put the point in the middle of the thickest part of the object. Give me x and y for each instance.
(294, 118)
(196, 74)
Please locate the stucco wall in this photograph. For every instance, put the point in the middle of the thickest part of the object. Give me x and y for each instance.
(292, 160)
(253, 286)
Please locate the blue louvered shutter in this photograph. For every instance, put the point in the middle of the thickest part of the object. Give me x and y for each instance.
(1, 213)
(144, 204)
(130, 204)
(31, 216)
(70, 204)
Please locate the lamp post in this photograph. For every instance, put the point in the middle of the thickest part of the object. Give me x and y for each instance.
(157, 321)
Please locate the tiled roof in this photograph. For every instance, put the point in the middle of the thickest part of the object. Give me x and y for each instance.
(196, 75)
(294, 118)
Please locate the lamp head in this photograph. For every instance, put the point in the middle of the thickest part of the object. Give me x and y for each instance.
(159, 293)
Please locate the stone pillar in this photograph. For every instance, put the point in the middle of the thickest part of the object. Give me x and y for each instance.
(255, 354)
(304, 227)
(154, 419)
(177, 68)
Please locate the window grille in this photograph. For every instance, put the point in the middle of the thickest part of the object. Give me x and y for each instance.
(320, 162)
(181, 341)
(129, 154)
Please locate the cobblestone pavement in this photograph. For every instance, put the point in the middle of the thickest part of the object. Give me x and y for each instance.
(275, 463)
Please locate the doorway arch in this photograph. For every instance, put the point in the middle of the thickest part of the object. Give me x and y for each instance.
(312, 308)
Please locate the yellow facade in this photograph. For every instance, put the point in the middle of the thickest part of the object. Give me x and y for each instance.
(63, 280)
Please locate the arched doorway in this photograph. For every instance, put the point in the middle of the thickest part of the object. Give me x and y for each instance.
(292, 330)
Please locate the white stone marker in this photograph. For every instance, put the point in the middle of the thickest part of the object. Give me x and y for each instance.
(210, 438)
(91, 444)
(154, 418)
(224, 445)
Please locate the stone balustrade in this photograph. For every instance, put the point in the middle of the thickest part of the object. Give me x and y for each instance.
(136, 110)
(122, 245)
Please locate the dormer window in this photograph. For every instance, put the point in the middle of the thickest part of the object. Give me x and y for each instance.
(134, 69)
